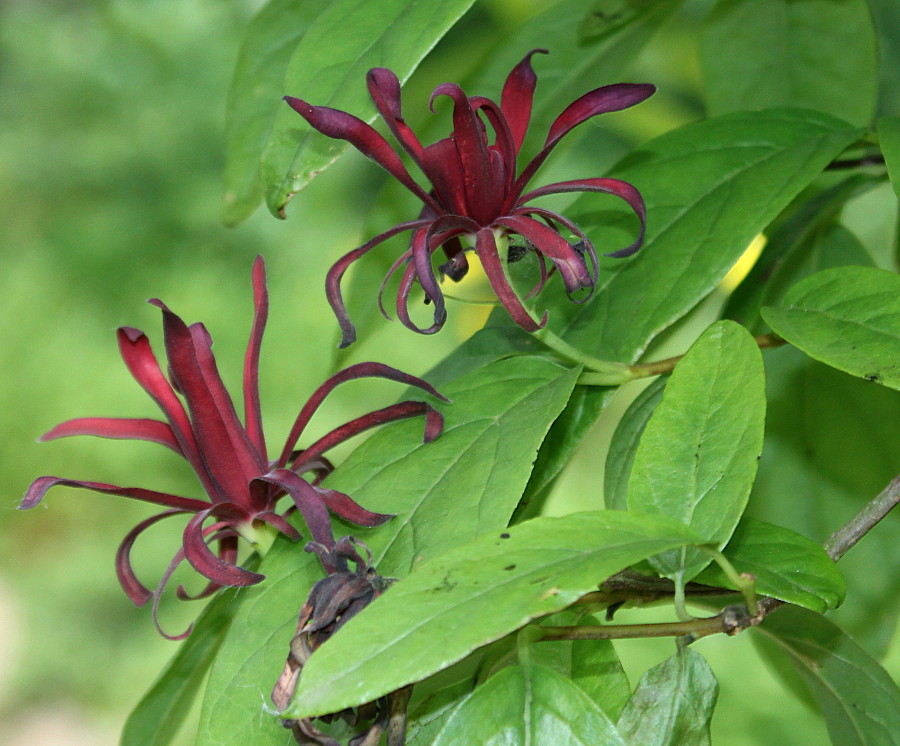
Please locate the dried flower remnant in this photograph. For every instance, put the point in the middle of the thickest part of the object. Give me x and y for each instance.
(475, 193)
(332, 602)
(229, 456)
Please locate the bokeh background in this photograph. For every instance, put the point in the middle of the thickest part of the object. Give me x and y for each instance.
(111, 142)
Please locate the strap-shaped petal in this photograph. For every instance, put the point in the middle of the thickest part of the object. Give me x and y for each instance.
(407, 282)
(434, 423)
(384, 88)
(41, 485)
(616, 187)
(599, 101)
(117, 428)
(347, 508)
(134, 589)
(486, 248)
(570, 263)
(252, 411)
(336, 273)
(208, 564)
(517, 97)
(339, 125)
(351, 373)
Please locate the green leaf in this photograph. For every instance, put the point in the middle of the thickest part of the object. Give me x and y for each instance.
(158, 716)
(473, 595)
(255, 97)
(444, 493)
(673, 703)
(624, 444)
(860, 702)
(698, 455)
(787, 566)
(818, 54)
(804, 242)
(523, 705)
(847, 317)
(710, 188)
(889, 139)
(831, 445)
(328, 68)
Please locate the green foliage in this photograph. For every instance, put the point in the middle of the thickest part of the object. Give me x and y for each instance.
(673, 703)
(889, 138)
(697, 457)
(847, 317)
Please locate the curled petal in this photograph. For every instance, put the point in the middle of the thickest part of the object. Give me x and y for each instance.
(157, 595)
(518, 95)
(333, 278)
(486, 247)
(551, 217)
(117, 428)
(617, 187)
(308, 502)
(252, 412)
(134, 589)
(384, 88)
(569, 262)
(406, 285)
(347, 508)
(351, 373)
(208, 564)
(421, 256)
(39, 488)
(279, 524)
(340, 125)
(228, 548)
(599, 101)
(404, 410)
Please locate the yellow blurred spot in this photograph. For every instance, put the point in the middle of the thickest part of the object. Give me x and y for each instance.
(743, 265)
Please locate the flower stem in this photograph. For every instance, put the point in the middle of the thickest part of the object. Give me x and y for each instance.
(744, 582)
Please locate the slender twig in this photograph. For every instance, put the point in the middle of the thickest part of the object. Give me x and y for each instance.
(627, 586)
(608, 377)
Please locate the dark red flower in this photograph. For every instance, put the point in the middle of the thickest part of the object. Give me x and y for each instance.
(229, 456)
(475, 193)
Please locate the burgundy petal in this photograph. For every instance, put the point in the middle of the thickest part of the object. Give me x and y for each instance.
(569, 262)
(352, 373)
(157, 595)
(441, 164)
(486, 247)
(406, 284)
(228, 552)
(617, 187)
(208, 564)
(503, 171)
(517, 97)
(549, 215)
(599, 101)
(308, 502)
(340, 125)
(384, 88)
(344, 506)
(252, 412)
(214, 420)
(471, 147)
(421, 256)
(279, 524)
(134, 589)
(118, 429)
(333, 279)
(403, 410)
(141, 362)
(39, 488)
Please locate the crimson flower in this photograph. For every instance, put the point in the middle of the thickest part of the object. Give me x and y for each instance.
(475, 193)
(229, 456)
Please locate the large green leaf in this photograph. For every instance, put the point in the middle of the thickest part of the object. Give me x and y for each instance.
(473, 595)
(328, 68)
(860, 702)
(444, 493)
(673, 703)
(255, 97)
(831, 445)
(818, 54)
(846, 317)
(787, 566)
(698, 455)
(156, 719)
(524, 705)
(889, 139)
(802, 243)
(710, 188)
(624, 444)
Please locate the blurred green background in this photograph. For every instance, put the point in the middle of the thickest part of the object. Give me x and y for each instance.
(111, 141)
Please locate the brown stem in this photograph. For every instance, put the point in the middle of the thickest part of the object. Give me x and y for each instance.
(844, 539)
